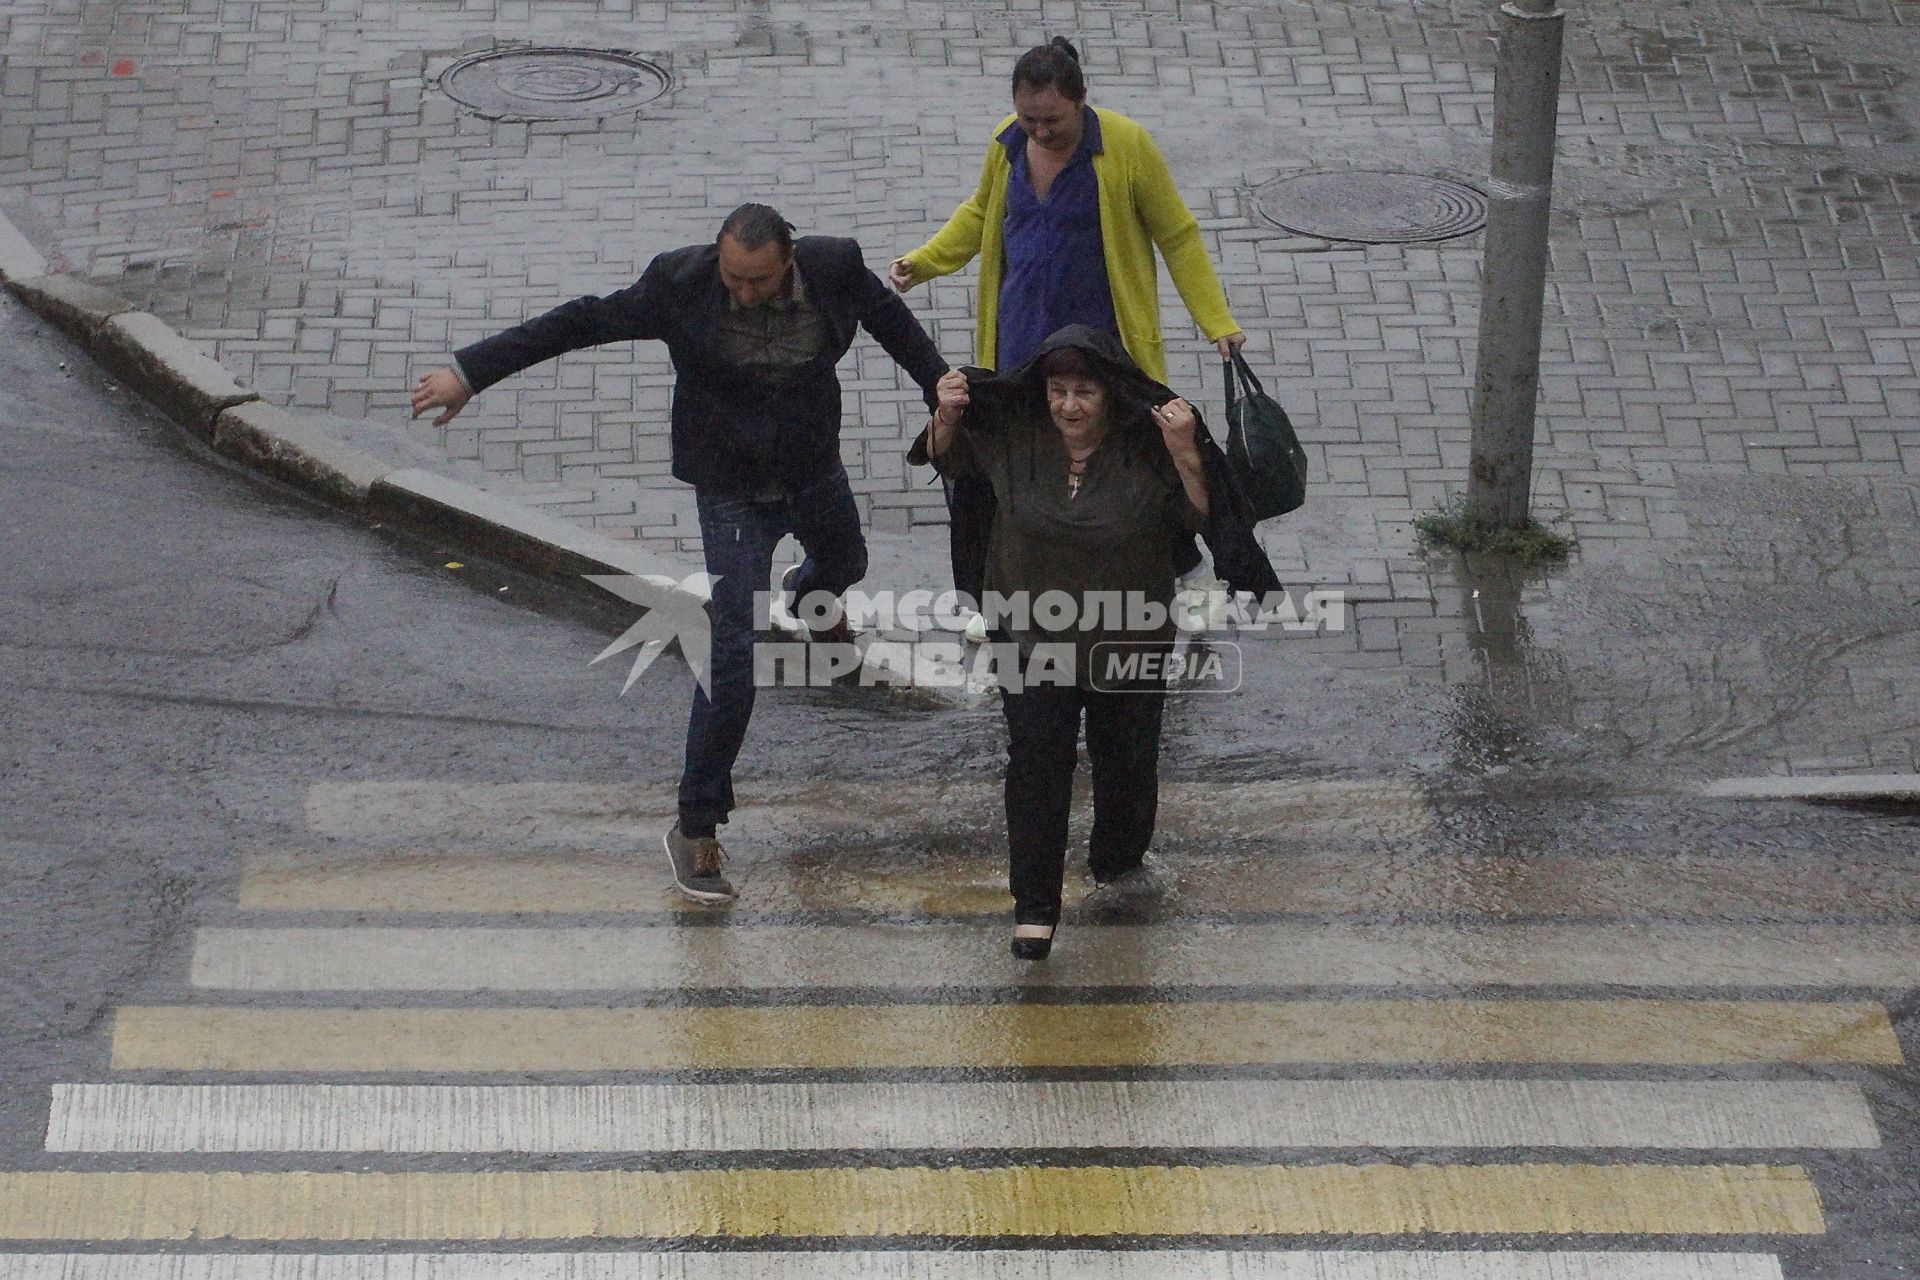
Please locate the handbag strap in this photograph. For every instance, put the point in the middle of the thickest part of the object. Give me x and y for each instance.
(1245, 374)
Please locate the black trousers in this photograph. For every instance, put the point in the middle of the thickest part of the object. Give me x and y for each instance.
(1123, 745)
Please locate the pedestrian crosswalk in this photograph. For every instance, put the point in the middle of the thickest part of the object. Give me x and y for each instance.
(395, 1063)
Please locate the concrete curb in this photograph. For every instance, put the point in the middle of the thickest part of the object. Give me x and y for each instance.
(184, 381)
(1863, 786)
(197, 392)
(274, 442)
(77, 308)
(530, 540)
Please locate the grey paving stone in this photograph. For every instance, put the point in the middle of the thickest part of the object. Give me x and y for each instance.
(1736, 284)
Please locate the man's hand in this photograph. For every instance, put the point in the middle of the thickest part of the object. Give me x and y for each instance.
(954, 399)
(900, 273)
(1176, 421)
(441, 389)
(1230, 343)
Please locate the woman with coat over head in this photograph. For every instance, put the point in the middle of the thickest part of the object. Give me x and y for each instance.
(1100, 479)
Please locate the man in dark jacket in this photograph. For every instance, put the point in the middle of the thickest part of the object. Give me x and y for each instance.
(754, 324)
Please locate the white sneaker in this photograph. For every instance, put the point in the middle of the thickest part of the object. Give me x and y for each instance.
(780, 609)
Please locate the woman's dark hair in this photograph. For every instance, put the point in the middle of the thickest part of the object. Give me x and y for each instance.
(754, 226)
(1053, 65)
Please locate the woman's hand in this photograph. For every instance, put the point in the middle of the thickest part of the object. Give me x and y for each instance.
(1229, 343)
(954, 399)
(1176, 421)
(900, 272)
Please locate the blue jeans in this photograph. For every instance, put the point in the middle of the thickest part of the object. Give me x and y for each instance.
(738, 536)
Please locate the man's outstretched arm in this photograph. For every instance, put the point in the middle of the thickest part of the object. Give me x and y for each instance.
(631, 314)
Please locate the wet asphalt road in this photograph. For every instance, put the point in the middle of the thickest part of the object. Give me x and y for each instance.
(184, 651)
(200, 672)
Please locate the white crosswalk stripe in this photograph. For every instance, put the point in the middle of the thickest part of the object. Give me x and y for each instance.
(1655, 1115)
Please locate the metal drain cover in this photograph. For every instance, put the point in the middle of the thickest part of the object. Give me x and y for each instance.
(1371, 207)
(553, 84)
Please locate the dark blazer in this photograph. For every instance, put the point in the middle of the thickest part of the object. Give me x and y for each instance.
(732, 431)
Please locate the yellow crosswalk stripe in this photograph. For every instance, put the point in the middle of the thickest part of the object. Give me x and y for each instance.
(1051, 1263)
(1338, 881)
(877, 1203)
(1186, 953)
(1665, 1032)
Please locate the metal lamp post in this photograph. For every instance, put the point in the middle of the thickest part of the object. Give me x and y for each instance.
(1513, 280)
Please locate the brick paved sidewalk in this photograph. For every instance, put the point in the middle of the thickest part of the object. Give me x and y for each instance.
(1733, 327)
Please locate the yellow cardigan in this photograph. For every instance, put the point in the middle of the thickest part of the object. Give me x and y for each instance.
(1139, 208)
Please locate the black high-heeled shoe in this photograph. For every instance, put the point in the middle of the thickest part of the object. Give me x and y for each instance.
(1032, 941)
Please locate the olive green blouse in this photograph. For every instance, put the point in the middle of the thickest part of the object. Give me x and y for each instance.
(1112, 539)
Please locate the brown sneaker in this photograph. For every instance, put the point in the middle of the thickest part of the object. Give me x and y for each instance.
(839, 633)
(696, 862)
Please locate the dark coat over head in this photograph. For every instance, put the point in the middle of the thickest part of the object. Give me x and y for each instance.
(1238, 557)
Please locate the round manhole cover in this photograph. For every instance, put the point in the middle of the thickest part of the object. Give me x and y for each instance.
(1371, 207)
(553, 84)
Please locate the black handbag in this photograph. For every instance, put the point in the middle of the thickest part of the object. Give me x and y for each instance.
(1264, 455)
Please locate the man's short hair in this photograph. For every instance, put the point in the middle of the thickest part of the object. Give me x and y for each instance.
(754, 226)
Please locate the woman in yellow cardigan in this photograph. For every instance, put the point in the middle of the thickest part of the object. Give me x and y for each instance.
(1071, 202)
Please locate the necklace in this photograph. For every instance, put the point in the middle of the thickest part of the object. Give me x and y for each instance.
(1077, 456)
(1077, 468)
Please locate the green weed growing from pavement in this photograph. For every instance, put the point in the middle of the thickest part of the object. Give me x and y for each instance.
(1456, 526)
